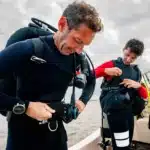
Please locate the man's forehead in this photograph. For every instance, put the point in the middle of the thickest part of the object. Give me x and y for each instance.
(129, 51)
(84, 34)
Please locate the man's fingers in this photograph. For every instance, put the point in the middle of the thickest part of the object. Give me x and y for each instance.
(116, 73)
(39, 111)
(127, 80)
(127, 83)
(39, 119)
(47, 115)
(129, 86)
(119, 70)
(49, 109)
(121, 83)
(124, 83)
(80, 105)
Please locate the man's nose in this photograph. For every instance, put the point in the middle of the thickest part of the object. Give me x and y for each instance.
(79, 49)
(129, 59)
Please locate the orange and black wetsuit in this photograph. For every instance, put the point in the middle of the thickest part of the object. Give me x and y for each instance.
(121, 122)
(99, 71)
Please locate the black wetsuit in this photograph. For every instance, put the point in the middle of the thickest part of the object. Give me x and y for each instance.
(35, 80)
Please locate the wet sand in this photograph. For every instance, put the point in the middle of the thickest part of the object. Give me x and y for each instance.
(3, 132)
(87, 123)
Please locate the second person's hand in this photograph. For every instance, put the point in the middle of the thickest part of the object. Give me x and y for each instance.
(115, 71)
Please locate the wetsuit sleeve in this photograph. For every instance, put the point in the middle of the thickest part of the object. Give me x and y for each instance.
(11, 60)
(88, 90)
(91, 81)
(100, 70)
(143, 92)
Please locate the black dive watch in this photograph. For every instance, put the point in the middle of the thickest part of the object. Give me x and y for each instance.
(19, 108)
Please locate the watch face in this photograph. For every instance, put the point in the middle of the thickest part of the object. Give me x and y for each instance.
(19, 109)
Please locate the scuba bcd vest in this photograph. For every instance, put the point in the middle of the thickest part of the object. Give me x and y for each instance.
(115, 97)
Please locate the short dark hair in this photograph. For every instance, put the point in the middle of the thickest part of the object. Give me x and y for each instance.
(79, 13)
(136, 46)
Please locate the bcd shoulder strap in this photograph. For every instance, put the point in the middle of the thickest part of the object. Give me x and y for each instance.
(38, 47)
(139, 74)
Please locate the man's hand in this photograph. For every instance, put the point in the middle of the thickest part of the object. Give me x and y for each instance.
(39, 111)
(80, 105)
(115, 71)
(130, 83)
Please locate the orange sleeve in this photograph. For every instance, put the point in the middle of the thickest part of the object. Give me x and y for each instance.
(100, 70)
(143, 92)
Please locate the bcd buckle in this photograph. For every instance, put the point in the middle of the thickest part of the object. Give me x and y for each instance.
(49, 126)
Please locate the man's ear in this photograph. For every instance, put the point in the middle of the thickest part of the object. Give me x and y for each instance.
(62, 24)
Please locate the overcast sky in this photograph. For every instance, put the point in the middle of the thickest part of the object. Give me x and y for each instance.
(123, 19)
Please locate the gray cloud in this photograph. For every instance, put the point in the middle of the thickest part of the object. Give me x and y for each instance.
(123, 19)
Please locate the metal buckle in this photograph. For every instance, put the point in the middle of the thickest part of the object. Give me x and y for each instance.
(43, 122)
(49, 126)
